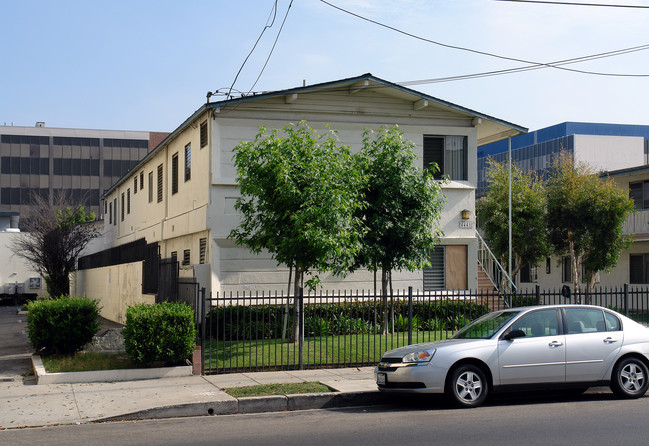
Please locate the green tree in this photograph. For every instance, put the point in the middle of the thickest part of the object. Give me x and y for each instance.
(299, 201)
(529, 234)
(586, 215)
(403, 204)
(54, 236)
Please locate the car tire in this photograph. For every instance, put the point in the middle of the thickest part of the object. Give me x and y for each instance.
(630, 378)
(467, 386)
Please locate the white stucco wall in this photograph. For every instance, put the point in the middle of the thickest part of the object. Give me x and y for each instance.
(608, 153)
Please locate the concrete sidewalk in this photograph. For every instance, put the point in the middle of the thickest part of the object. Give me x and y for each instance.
(25, 405)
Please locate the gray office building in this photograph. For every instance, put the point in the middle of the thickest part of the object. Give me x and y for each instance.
(41, 160)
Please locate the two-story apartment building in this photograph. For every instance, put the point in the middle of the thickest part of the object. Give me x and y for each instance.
(182, 194)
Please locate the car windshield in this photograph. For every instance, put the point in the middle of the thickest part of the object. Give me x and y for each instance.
(485, 326)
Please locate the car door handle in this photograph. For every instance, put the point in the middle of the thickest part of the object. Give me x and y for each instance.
(555, 344)
(610, 340)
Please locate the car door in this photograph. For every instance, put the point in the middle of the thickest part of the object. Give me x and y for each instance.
(592, 343)
(537, 357)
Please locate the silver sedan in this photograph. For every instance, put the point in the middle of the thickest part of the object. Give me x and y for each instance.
(559, 346)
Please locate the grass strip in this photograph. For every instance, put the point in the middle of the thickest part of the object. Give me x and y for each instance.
(277, 389)
(85, 362)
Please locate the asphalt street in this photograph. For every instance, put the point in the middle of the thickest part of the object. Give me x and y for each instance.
(590, 419)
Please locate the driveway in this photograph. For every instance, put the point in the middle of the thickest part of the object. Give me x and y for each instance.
(15, 351)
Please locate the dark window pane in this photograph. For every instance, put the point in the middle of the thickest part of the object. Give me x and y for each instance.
(85, 167)
(94, 168)
(58, 166)
(34, 165)
(66, 166)
(15, 195)
(76, 167)
(44, 166)
(635, 193)
(646, 195)
(5, 197)
(434, 153)
(6, 165)
(108, 168)
(15, 165)
(24, 166)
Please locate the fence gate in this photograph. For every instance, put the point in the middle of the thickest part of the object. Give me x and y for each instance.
(167, 280)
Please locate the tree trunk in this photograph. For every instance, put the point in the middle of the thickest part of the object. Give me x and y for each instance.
(288, 304)
(574, 260)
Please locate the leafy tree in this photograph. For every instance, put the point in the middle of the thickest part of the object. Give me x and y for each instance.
(586, 216)
(299, 201)
(529, 234)
(403, 204)
(54, 236)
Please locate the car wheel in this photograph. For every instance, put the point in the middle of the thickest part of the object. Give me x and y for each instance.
(467, 386)
(630, 378)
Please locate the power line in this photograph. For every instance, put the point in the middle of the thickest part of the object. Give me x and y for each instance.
(273, 48)
(272, 11)
(576, 4)
(484, 53)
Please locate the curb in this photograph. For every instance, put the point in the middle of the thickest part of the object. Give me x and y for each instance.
(43, 377)
(260, 404)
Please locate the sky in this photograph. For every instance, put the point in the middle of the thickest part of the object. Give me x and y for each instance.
(148, 65)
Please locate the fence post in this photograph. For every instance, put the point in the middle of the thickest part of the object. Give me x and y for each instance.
(300, 334)
(409, 315)
(626, 299)
(203, 322)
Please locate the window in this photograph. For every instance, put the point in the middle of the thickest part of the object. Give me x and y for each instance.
(110, 213)
(548, 266)
(203, 134)
(174, 255)
(128, 201)
(141, 180)
(122, 208)
(538, 323)
(115, 209)
(202, 250)
(135, 185)
(528, 273)
(585, 320)
(434, 275)
(174, 174)
(159, 183)
(639, 268)
(188, 162)
(450, 153)
(639, 193)
(566, 270)
(186, 257)
(150, 187)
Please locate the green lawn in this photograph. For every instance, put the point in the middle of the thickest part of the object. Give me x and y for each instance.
(332, 351)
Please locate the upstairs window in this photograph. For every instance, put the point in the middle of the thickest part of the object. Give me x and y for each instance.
(450, 153)
(186, 257)
(160, 183)
(174, 173)
(150, 187)
(135, 185)
(203, 134)
(188, 162)
(639, 193)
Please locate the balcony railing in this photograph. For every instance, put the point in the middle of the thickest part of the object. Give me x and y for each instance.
(637, 223)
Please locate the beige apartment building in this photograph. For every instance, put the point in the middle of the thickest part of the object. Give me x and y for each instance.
(181, 196)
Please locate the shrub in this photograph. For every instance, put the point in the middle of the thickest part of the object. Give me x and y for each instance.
(62, 326)
(159, 333)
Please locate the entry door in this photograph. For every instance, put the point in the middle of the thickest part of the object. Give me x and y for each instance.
(539, 356)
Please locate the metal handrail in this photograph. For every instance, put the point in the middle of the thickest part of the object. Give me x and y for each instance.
(484, 248)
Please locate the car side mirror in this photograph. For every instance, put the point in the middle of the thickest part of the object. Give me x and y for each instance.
(514, 334)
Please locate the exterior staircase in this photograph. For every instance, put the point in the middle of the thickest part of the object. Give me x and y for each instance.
(490, 271)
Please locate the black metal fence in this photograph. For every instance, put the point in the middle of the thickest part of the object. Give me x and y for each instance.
(245, 332)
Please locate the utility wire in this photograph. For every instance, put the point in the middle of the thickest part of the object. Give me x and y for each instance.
(272, 11)
(576, 4)
(273, 48)
(484, 53)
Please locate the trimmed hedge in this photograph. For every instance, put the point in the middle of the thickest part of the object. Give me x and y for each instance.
(159, 333)
(248, 322)
(63, 325)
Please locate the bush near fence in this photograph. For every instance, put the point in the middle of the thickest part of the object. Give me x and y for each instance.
(251, 322)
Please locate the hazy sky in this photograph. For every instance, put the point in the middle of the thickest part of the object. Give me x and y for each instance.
(147, 65)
